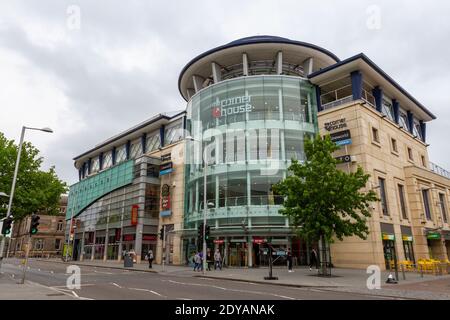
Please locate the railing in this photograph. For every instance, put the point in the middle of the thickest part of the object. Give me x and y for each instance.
(265, 200)
(368, 97)
(336, 97)
(439, 170)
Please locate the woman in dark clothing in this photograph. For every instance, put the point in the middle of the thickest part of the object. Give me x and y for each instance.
(313, 260)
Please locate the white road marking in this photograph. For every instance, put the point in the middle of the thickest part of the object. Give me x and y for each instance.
(183, 299)
(51, 271)
(75, 294)
(103, 272)
(151, 291)
(115, 284)
(235, 290)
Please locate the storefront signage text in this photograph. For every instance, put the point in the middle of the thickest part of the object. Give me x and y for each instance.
(335, 125)
(165, 168)
(230, 106)
(341, 138)
(165, 201)
(345, 159)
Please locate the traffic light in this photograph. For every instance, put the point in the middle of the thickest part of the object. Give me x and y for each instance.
(207, 232)
(34, 224)
(200, 233)
(161, 233)
(6, 228)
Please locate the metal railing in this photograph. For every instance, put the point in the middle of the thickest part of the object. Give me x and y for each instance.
(264, 200)
(439, 170)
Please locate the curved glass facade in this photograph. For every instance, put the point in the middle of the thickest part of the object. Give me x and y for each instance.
(249, 128)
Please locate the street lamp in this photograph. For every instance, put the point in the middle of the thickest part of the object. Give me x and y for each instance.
(205, 204)
(8, 213)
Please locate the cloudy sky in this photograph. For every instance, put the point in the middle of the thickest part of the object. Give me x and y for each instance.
(118, 65)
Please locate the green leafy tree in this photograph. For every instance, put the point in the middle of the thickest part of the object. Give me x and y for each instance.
(322, 201)
(36, 191)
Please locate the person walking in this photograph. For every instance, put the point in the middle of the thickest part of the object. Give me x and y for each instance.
(217, 260)
(150, 258)
(200, 254)
(313, 260)
(197, 261)
(209, 259)
(289, 260)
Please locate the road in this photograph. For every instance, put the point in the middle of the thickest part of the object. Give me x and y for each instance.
(112, 284)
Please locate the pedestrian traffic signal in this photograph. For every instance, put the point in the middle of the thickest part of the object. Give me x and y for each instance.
(34, 224)
(207, 232)
(161, 233)
(6, 228)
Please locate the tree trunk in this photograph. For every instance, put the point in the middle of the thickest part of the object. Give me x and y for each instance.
(323, 256)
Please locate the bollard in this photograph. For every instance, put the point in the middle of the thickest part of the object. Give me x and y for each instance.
(403, 271)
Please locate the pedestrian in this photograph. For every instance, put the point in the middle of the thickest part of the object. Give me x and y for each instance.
(150, 258)
(196, 261)
(314, 259)
(209, 259)
(289, 260)
(200, 254)
(217, 260)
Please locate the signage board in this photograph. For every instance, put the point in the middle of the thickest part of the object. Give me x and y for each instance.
(165, 168)
(335, 125)
(341, 138)
(149, 237)
(128, 237)
(231, 106)
(433, 235)
(166, 157)
(134, 214)
(387, 236)
(407, 238)
(165, 200)
(219, 241)
(165, 213)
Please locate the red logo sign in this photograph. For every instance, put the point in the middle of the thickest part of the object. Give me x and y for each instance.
(216, 113)
(134, 214)
(219, 241)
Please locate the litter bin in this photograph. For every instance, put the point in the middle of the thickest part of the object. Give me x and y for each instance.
(128, 261)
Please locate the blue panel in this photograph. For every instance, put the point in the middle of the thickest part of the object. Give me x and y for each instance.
(423, 128)
(127, 149)
(344, 142)
(356, 84)
(410, 121)
(113, 155)
(89, 165)
(100, 160)
(319, 103)
(396, 108)
(163, 172)
(378, 95)
(165, 213)
(161, 135)
(143, 142)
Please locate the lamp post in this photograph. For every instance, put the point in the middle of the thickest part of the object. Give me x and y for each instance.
(16, 170)
(205, 204)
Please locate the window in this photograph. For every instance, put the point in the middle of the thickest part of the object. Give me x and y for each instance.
(57, 244)
(426, 203)
(443, 207)
(403, 122)
(60, 226)
(95, 164)
(423, 160)
(107, 159)
(410, 154)
(121, 154)
(394, 145)
(401, 196)
(136, 149)
(416, 131)
(386, 109)
(173, 134)
(375, 136)
(153, 142)
(384, 208)
(38, 244)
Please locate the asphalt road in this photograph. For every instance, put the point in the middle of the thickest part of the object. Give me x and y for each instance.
(111, 284)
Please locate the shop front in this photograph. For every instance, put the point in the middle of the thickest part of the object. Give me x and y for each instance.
(389, 249)
(407, 240)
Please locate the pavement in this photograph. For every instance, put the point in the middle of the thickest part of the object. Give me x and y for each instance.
(345, 282)
(122, 284)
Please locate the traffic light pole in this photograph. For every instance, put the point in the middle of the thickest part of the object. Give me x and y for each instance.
(25, 263)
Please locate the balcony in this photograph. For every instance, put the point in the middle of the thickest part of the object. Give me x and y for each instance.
(439, 170)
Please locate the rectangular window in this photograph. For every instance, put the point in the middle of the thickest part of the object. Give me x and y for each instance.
(384, 207)
(443, 207)
(173, 134)
(375, 135)
(387, 109)
(153, 142)
(38, 244)
(136, 149)
(403, 121)
(416, 131)
(107, 159)
(426, 203)
(95, 164)
(394, 145)
(121, 154)
(60, 226)
(410, 154)
(57, 244)
(401, 196)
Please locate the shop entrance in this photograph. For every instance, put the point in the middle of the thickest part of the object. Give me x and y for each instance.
(237, 254)
(390, 254)
(447, 246)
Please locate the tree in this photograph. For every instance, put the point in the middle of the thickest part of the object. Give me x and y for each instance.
(36, 191)
(322, 201)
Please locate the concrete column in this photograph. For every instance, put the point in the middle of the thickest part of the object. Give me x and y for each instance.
(217, 192)
(190, 92)
(93, 247)
(378, 95)
(198, 83)
(82, 247)
(140, 225)
(279, 62)
(410, 117)
(245, 64)
(225, 252)
(280, 103)
(357, 79)
(249, 193)
(396, 110)
(216, 72)
(250, 251)
(308, 65)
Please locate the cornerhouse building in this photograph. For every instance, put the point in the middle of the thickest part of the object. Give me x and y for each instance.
(250, 106)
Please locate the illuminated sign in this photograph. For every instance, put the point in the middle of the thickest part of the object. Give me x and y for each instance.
(165, 201)
(341, 138)
(386, 236)
(433, 235)
(230, 106)
(407, 238)
(149, 237)
(134, 214)
(219, 241)
(165, 168)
